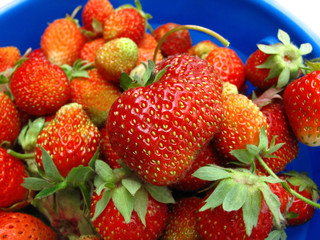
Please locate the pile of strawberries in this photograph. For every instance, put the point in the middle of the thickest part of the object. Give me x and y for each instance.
(114, 130)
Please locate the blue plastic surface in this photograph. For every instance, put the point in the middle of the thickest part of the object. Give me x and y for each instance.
(243, 22)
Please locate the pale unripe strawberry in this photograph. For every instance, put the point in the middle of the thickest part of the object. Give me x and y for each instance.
(116, 56)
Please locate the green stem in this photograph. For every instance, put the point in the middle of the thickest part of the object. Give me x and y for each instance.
(224, 41)
(20, 155)
(286, 185)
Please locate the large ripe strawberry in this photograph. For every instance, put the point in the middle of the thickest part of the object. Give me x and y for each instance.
(228, 65)
(39, 87)
(277, 64)
(158, 129)
(124, 22)
(95, 13)
(12, 172)
(95, 95)
(301, 104)
(241, 124)
(176, 43)
(298, 211)
(182, 223)
(21, 226)
(62, 40)
(9, 120)
(240, 205)
(116, 56)
(70, 138)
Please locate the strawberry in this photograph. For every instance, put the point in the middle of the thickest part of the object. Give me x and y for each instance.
(89, 49)
(94, 94)
(39, 87)
(95, 13)
(89, 237)
(111, 156)
(12, 172)
(157, 130)
(298, 211)
(277, 64)
(240, 205)
(37, 53)
(137, 209)
(62, 40)
(301, 105)
(124, 23)
(202, 49)
(176, 43)
(146, 49)
(8, 57)
(70, 138)
(279, 126)
(9, 120)
(228, 65)
(21, 226)
(189, 183)
(148, 41)
(116, 56)
(241, 124)
(182, 223)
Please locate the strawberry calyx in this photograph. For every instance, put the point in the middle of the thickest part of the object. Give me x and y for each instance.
(239, 188)
(285, 60)
(79, 69)
(141, 76)
(214, 34)
(267, 96)
(128, 192)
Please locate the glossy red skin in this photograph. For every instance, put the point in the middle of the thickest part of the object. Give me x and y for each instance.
(301, 104)
(182, 223)
(228, 65)
(189, 183)
(70, 138)
(157, 130)
(21, 226)
(98, 9)
(126, 22)
(221, 225)
(39, 87)
(12, 174)
(176, 43)
(256, 76)
(110, 223)
(279, 126)
(9, 119)
(37, 53)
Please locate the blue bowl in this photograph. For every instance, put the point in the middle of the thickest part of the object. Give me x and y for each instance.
(243, 22)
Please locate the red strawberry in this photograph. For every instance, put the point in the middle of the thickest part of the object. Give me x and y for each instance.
(89, 49)
(182, 223)
(301, 104)
(298, 211)
(111, 156)
(202, 49)
(62, 41)
(8, 57)
(241, 124)
(176, 43)
(70, 138)
(124, 23)
(228, 65)
(116, 56)
(95, 95)
(12, 172)
(146, 49)
(148, 41)
(95, 13)
(277, 64)
(21, 226)
(39, 87)
(9, 120)
(37, 53)
(157, 130)
(189, 183)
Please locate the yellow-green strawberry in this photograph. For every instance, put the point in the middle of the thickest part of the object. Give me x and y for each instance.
(116, 56)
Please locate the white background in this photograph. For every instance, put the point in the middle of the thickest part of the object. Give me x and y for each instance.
(307, 11)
